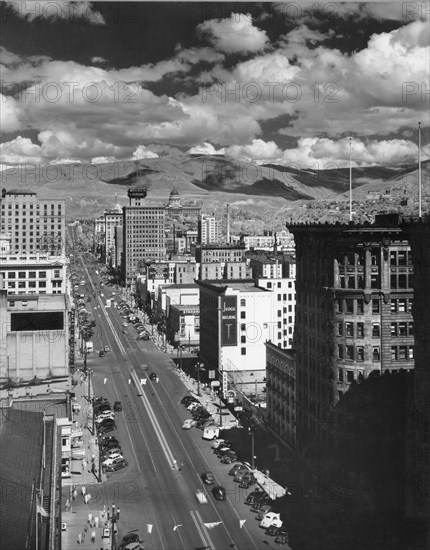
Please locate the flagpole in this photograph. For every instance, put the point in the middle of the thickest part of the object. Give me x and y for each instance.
(419, 171)
(350, 181)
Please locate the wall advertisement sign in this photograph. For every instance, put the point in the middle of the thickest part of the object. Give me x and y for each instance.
(229, 321)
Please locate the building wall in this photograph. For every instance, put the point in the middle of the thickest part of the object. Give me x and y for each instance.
(347, 298)
(34, 224)
(144, 238)
(112, 220)
(281, 392)
(34, 274)
(210, 230)
(184, 326)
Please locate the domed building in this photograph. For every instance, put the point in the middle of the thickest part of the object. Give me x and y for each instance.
(174, 208)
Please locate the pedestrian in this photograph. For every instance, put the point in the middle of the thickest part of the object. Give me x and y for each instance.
(84, 465)
(79, 538)
(75, 494)
(96, 522)
(93, 536)
(89, 497)
(117, 513)
(83, 490)
(90, 519)
(86, 499)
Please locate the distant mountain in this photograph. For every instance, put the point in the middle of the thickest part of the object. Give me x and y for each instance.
(213, 181)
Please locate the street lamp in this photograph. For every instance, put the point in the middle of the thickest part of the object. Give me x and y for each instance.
(114, 518)
(198, 367)
(251, 431)
(89, 373)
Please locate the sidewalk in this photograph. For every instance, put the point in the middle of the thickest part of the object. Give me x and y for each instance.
(84, 521)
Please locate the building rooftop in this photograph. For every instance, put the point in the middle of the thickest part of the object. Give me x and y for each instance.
(184, 307)
(17, 192)
(242, 285)
(184, 285)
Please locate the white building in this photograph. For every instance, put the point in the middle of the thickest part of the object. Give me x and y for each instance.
(210, 230)
(284, 239)
(236, 319)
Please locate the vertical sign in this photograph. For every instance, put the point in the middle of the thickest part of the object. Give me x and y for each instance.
(229, 321)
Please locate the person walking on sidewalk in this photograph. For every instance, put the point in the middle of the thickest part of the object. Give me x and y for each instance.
(83, 490)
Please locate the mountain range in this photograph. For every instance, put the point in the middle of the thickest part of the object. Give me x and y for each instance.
(212, 181)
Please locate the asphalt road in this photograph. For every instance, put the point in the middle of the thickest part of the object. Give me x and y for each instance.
(154, 496)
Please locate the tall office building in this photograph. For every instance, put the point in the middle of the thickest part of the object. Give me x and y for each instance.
(34, 225)
(209, 230)
(113, 218)
(354, 293)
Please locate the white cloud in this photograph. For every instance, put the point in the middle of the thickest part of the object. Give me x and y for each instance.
(9, 114)
(98, 59)
(196, 55)
(34, 9)
(324, 153)
(143, 153)
(235, 34)
(102, 160)
(205, 149)
(258, 151)
(20, 151)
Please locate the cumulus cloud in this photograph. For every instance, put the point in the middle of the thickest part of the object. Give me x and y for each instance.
(143, 153)
(9, 114)
(258, 151)
(20, 151)
(235, 34)
(102, 160)
(324, 153)
(34, 9)
(205, 149)
(196, 55)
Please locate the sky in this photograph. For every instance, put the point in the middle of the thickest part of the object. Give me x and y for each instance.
(299, 83)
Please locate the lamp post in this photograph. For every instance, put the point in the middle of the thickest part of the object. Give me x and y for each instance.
(198, 367)
(251, 431)
(113, 522)
(90, 372)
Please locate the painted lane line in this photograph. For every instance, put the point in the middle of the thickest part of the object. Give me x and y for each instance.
(200, 529)
(157, 429)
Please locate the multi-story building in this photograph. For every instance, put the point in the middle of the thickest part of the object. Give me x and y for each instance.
(143, 239)
(118, 246)
(281, 392)
(183, 325)
(34, 337)
(263, 266)
(180, 294)
(36, 273)
(113, 219)
(354, 293)
(174, 208)
(417, 478)
(212, 253)
(283, 239)
(209, 230)
(34, 225)
(236, 318)
(284, 291)
(224, 270)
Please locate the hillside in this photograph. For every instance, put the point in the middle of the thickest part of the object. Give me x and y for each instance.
(213, 181)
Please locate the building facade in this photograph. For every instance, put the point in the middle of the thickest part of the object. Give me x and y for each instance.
(113, 219)
(237, 318)
(281, 392)
(183, 325)
(210, 230)
(34, 225)
(143, 239)
(36, 273)
(354, 294)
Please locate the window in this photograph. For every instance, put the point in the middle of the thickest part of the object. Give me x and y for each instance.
(360, 353)
(349, 376)
(340, 375)
(11, 275)
(21, 274)
(349, 329)
(243, 326)
(279, 297)
(243, 314)
(411, 329)
(350, 352)
(243, 339)
(242, 302)
(279, 312)
(243, 351)
(401, 305)
(411, 352)
(340, 351)
(269, 285)
(401, 329)
(393, 353)
(376, 330)
(340, 306)
(376, 354)
(349, 302)
(351, 282)
(11, 303)
(360, 330)
(375, 305)
(402, 353)
(340, 329)
(393, 306)
(42, 274)
(393, 328)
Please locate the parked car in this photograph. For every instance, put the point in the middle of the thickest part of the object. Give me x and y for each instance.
(219, 492)
(106, 415)
(258, 504)
(102, 353)
(216, 443)
(247, 481)
(235, 469)
(107, 349)
(254, 496)
(121, 463)
(117, 406)
(111, 457)
(188, 424)
(271, 518)
(106, 426)
(208, 477)
(222, 451)
(282, 537)
(107, 453)
(238, 477)
(229, 457)
(264, 509)
(153, 376)
(273, 530)
(110, 444)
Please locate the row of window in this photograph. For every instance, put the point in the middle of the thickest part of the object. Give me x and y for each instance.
(32, 284)
(31, 274)
(356, 330)
(356, 306)
(358, 353)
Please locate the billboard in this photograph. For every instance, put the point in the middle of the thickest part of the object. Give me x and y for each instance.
(158, 271)
(229, 321)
